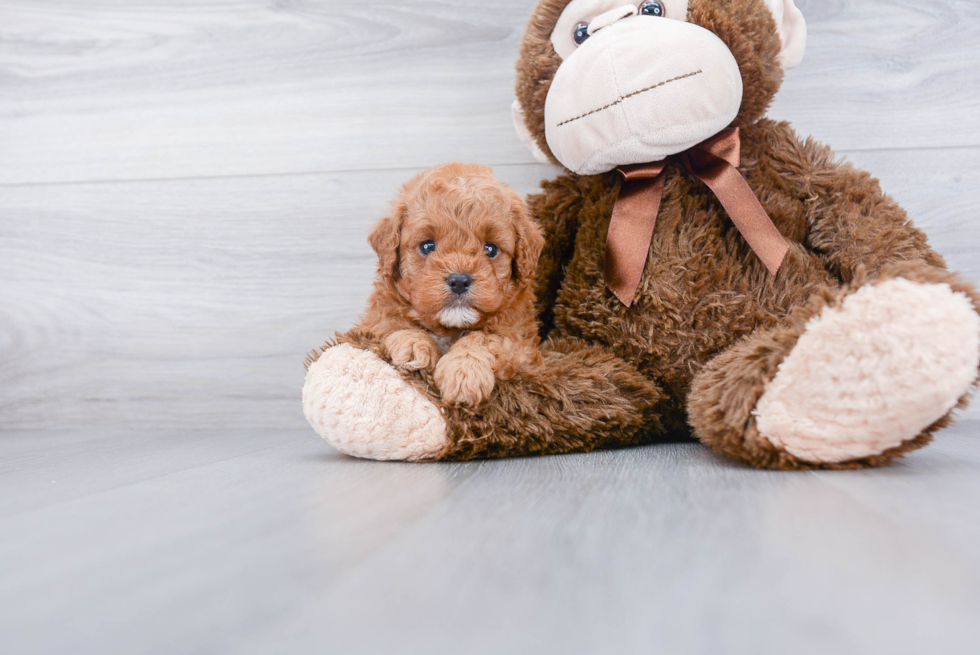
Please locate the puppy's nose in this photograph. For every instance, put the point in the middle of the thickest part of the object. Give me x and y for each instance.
(459, 283)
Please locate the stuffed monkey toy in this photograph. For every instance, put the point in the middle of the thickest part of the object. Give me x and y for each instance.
(706, 273)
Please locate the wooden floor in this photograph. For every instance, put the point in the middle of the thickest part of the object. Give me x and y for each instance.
(185, 191)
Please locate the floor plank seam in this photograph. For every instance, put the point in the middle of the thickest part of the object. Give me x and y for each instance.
(136, 483)
(408, 170)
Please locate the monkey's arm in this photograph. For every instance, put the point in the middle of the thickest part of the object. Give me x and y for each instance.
(850, 220)
(578, 398)
(556, 209)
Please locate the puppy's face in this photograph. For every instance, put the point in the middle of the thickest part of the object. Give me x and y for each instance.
(465, 247)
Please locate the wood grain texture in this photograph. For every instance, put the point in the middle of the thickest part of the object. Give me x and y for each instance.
(184, 303)
(293, 548)
(101, 90)
(884, 74)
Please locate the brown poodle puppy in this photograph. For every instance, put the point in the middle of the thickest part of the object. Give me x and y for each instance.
(454, 291)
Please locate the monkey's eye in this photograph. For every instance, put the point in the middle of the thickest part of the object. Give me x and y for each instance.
(581, 33)
(427, 247)
(652, 8)
(491, 250)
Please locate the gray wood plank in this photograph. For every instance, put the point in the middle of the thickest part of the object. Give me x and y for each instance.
(185, 303)
(881, 74)
(100, 90)
(39, 468)
(669, 548)
(183, 562)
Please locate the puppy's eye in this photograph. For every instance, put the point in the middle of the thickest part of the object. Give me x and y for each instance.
(427, 247)
(581, 33)
(652, 8)
(491, 250)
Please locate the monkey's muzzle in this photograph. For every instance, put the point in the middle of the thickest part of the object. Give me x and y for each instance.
(638, 91)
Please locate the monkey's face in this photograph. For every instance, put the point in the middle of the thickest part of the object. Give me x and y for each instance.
(635, 81)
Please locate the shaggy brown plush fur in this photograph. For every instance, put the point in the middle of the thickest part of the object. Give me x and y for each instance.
(575, 398)
(702, 290)
(727, 389)
(709, 325)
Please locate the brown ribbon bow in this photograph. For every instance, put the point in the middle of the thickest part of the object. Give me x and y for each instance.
(715, 163)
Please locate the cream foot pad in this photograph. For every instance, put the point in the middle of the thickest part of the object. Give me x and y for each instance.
(872, 373)
(362, 407)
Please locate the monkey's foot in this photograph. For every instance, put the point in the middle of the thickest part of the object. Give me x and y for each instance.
(362, 407)
(872, 373)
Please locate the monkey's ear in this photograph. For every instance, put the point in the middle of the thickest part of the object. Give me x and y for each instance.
(517, 112)
(386, 239)
(792, 31)
(529, 242)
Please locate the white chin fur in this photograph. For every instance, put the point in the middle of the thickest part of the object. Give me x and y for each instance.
(458, 316)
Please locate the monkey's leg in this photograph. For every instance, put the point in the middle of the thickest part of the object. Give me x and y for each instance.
(579, 398)
(859, 376)
(364, 407)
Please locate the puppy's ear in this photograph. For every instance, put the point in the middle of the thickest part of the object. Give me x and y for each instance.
(386, 239)
(529, 241)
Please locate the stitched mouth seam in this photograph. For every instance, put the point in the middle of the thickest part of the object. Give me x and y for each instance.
(620, 99)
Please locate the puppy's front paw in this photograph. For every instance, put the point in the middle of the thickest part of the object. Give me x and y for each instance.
(467, 379)
(412, 349)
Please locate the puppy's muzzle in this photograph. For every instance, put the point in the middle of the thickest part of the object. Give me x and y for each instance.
(459, 283)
